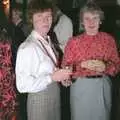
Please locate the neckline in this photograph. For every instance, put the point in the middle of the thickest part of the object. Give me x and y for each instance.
(42, 39)
(91, 35)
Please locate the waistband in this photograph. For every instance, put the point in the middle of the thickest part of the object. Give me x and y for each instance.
(95, 76)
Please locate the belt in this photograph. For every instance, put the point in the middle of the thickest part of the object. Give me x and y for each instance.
(95, 76)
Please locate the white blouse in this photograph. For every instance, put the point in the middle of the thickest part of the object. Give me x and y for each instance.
(33, 65)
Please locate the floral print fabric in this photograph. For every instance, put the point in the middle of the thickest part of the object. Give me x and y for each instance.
(85, 47)
(7, 83)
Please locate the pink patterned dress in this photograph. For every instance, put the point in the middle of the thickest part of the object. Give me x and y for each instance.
(8, 103)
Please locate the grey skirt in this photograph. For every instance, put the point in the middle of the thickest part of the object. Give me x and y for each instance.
(44, 105)
(90, 99)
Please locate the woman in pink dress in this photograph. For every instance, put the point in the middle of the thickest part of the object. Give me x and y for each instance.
(8, 101)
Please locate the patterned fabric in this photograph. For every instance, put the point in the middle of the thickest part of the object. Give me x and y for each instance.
(44, 105)
(7, 83)
(84, 47)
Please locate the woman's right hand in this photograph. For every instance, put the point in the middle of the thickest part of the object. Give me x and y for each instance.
(61, 74)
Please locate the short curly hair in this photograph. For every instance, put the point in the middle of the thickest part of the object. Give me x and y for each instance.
(91, 7)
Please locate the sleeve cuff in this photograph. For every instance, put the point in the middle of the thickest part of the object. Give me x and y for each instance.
(49, 79)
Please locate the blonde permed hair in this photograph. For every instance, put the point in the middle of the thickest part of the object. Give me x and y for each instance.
(91, 7)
